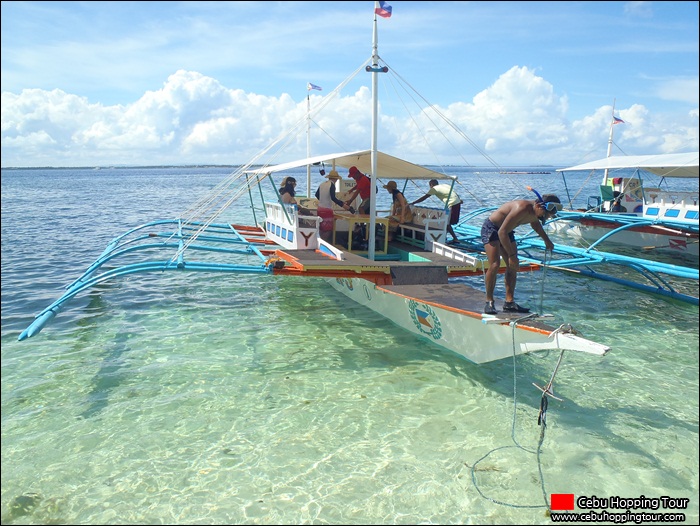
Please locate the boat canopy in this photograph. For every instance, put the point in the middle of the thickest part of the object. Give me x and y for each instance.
(663, 165)
(388, 167)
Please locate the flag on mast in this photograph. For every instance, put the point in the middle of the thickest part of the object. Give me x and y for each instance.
(617, 121)
(310, 86)
(382, 9)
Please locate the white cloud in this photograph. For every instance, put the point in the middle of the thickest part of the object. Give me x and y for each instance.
(639, 9)
(193, 119)
(683, 90)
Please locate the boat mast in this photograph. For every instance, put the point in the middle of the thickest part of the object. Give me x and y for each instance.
(374, 69)
(308, 139)
(610, 141)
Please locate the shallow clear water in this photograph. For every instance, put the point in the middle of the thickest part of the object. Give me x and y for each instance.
(197, 399)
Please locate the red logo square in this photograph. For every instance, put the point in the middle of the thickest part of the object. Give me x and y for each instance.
(562, 501)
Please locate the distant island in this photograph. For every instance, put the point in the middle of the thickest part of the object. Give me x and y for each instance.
(524, 172)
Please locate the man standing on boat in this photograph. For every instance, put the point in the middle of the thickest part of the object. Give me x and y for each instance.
(451, 199)
(499, 241)
(363, 187)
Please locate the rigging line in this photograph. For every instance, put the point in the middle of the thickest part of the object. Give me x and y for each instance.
(289, 136)
(283, 139)
(208, 202)
(581, 188)
(216, 195)
(206, 224)
(471, 194)
(456, 129)
(437, 127)
(318, 126)
(450, 123)
(420, 128)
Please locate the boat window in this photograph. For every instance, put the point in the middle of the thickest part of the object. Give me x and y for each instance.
(691, 214)
(672, 213)
(652, 211)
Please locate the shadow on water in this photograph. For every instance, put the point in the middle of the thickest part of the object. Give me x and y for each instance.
(508, 378)
(109, 375)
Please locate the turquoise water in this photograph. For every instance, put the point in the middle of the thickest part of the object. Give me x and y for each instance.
(197, 399)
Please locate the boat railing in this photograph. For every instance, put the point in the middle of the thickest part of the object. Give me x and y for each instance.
(683, 199)
(476, 260)
(680, 206)
(290, 227)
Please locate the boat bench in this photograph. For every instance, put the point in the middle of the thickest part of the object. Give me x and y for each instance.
(428, 227)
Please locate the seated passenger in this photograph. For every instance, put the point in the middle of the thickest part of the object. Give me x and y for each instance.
(400, 210)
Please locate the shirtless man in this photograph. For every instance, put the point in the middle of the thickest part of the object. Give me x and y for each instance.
(499, 241)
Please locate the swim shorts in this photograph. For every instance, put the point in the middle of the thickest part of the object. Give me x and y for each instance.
(489, 232)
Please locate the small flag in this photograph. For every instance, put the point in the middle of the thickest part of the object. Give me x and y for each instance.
(617, 121)
(310, 86)
(561, 501)
(383, 10)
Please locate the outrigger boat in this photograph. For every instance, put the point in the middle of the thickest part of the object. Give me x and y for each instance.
(408, 280)
(651, 219)
(629, 212)
(626, 213)
(677, 282)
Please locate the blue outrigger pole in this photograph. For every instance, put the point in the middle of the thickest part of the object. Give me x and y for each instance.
(220, 238)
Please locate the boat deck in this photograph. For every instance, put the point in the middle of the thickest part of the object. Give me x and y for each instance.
(422, 267)
(425, 281)
(462, 298)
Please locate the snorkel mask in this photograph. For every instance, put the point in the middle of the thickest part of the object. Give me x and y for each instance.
(550, 207)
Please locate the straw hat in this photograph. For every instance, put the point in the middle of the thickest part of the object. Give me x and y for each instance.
(391, 185)
(333, 175)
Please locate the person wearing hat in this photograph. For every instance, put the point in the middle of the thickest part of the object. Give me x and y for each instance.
(499, 241)
(400, 211)
(363, 188)
(325, 194)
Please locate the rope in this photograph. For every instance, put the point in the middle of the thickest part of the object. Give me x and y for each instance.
(547, 258)
(541, 421)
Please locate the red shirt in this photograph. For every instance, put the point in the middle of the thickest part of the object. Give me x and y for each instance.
(364, 185)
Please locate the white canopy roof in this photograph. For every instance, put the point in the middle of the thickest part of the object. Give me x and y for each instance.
(663, 165)
(388, 167)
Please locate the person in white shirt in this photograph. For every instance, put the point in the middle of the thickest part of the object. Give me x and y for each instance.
(326, 197)
(451, 199)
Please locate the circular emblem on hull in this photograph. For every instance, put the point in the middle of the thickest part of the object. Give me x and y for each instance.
(425, 319)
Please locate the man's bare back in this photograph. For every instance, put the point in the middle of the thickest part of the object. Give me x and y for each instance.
(513, 214)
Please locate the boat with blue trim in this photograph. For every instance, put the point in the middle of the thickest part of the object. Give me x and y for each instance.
(409, 280)
(630, 212)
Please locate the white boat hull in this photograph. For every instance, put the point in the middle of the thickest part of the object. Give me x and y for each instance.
(478, 338)
(643, 238)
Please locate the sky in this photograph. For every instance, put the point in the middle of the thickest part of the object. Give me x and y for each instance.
(190, 83)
